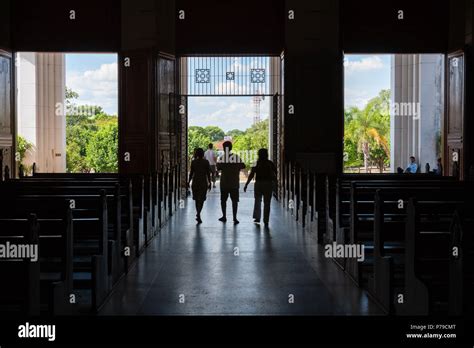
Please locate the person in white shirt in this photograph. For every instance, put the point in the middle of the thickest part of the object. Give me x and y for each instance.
(210, 155)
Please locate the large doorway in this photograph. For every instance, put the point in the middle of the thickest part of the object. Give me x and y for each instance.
(231, 98)
(67, 113)
(394, 113)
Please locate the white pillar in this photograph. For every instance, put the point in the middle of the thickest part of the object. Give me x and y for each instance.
(417, 86)
(432, 107)
(274, 88)
(42, 82)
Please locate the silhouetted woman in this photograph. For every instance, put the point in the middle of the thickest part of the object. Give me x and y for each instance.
(200, 176)
(265, 174)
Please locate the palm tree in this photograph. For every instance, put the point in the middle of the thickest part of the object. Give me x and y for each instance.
(371, 126)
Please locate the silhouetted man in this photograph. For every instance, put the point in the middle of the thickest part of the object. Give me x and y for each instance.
(230, 166)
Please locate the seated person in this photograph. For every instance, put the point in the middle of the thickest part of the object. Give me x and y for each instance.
(439, 167)
(412, 167)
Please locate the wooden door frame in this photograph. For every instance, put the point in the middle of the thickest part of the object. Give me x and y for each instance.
(13, 119)
(445, 146)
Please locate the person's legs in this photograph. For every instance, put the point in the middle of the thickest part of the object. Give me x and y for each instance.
(257, 208)
(213, 176)
(267, 199)
(234, 196)
(235, 207)
(224, 195)
(199, 206)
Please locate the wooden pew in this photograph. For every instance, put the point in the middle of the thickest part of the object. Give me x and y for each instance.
(90, 231)
(341, 205)
(79, 196)
(427, 259)
(361, 229)
(97, 255)
(461, 271)
(391, 267)
(141, 214)
(120, 206)
(20, 289)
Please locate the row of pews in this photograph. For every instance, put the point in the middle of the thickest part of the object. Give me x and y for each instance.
(89, 230)
(300, 191)
(418, 237)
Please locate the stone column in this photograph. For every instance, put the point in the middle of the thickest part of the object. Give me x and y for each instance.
(416, 109)
(274, 87)
(432, 108)
(403, 126)
(41, 113)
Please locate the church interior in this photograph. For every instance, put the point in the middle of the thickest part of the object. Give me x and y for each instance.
(372, 197)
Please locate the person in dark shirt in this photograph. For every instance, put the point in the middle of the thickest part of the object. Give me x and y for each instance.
(439, 167)
(265, 174)
(200, 176)
(229, 165)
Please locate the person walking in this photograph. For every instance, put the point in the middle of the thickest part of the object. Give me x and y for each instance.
(229, 165)
(200, 176)
(210, 155)
(265, 174)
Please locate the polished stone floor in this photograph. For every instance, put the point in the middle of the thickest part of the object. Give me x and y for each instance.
(220, 269)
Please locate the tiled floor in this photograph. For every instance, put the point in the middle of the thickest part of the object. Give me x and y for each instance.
(220, 269)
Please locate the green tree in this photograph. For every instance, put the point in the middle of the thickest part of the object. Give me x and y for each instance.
(252, 140)
(215, 133)
(23, 146)
(197, 137)
(234, 133)
(370, 130)
(245, 142)
(77, 139)
(101, 150)
(91, 137)
(71, 96)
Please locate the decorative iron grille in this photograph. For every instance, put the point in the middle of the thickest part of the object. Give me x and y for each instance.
(226, 76)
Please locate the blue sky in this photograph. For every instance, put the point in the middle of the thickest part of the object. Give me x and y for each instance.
(225, 112)
(364, 77)
(94, 77)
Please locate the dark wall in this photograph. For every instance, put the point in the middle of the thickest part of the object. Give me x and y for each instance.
(230, 26)
(314, 85)
(136, 110)
(139, 23)
(5, 40)
(457, 25)
(469, 97)
(148, 24)
(147, 29)
(372, 26)
(45, 25)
